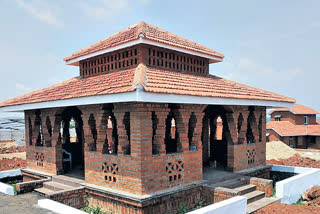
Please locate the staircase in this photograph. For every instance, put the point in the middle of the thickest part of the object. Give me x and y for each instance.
(239, 186)
(59, 184)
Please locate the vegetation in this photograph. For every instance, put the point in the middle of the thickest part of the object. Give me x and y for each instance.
(299, 202)
(14, 188)
(183, 209)
(93, 210)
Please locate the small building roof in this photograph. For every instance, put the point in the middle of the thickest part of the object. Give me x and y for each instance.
(146, 85)
(146, 33)
(297, 109)
(286, 128)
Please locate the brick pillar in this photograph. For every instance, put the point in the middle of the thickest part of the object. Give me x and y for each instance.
(56, 142)
(232, 125)
(182, 121)
(123, 140)
(196, 139)
(102, 128)
(89, 144)
(161, 113)
(141, 130)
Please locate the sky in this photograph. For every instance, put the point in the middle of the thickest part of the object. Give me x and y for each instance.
(273, 45)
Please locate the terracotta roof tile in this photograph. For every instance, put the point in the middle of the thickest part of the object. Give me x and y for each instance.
(297, 109)
(153, 80)
(161, 81)
(286, 128)
(76, 87)
(150, 32)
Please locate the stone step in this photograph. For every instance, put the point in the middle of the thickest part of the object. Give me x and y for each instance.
(231, 184)
(254, 196)
(246, 189)
(67, 180)
(44, 191)
(256, 205)
(55, 186)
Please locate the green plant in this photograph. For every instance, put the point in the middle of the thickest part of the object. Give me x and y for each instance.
(182, 208)
(274, 191)
(299, 202)
(93, 210)
(14, 188)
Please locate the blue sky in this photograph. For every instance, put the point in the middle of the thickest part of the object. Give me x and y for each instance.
(273, 45)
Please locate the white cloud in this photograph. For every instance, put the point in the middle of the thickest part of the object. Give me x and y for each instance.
(104, 9)
(40, 10)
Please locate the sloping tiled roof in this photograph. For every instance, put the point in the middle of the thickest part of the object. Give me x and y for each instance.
(297, 109)
(152, 80)
(286, 128)
(111, 83)
(161, 81)
(149, 32)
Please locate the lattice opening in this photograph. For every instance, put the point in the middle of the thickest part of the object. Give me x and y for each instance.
(109, 62)
(169, 60)
(93, 129)
(191, 126)
(110, 171)
(39, 157)
(175, 171)
(251, 155)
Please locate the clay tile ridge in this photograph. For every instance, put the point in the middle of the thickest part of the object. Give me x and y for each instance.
(147, 31)
(140, 76)
(297, 109)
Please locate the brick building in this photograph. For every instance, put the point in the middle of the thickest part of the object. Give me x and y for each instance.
(145, 110)
(297, 127)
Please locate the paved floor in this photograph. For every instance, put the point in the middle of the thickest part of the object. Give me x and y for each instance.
(21, 204)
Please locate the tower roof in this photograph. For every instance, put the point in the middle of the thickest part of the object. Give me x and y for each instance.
(147, 34)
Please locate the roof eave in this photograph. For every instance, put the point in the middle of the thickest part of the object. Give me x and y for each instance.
(142, 40)
(144, 96)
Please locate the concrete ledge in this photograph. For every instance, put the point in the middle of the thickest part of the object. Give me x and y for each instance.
(6, 189)
(291, 189)
(58, 207)
(10, 173)
(292, 169)
(236, 204)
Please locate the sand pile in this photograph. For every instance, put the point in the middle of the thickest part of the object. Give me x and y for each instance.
(278, 150)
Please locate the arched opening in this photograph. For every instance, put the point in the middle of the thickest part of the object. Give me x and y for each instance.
(93, 129)
(30, 131)
(215, 137)
(191, 127)
(72, 139)
(49, 132)
(250, 124)
(111, 141)
(260, 128)
(38, 126)
(239, 126)
(126, 122)
(171, 136)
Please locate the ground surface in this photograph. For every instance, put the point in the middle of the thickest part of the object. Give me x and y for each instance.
(12, 156)
(21, 204)
(277, 208)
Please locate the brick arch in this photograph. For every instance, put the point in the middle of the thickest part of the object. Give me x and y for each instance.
(38, 129)
(251, 126)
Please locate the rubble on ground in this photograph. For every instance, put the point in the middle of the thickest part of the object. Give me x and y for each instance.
(12, 163)
(312, 196)
(296, 160)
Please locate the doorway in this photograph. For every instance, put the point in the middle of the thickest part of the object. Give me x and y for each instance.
(72, 138)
